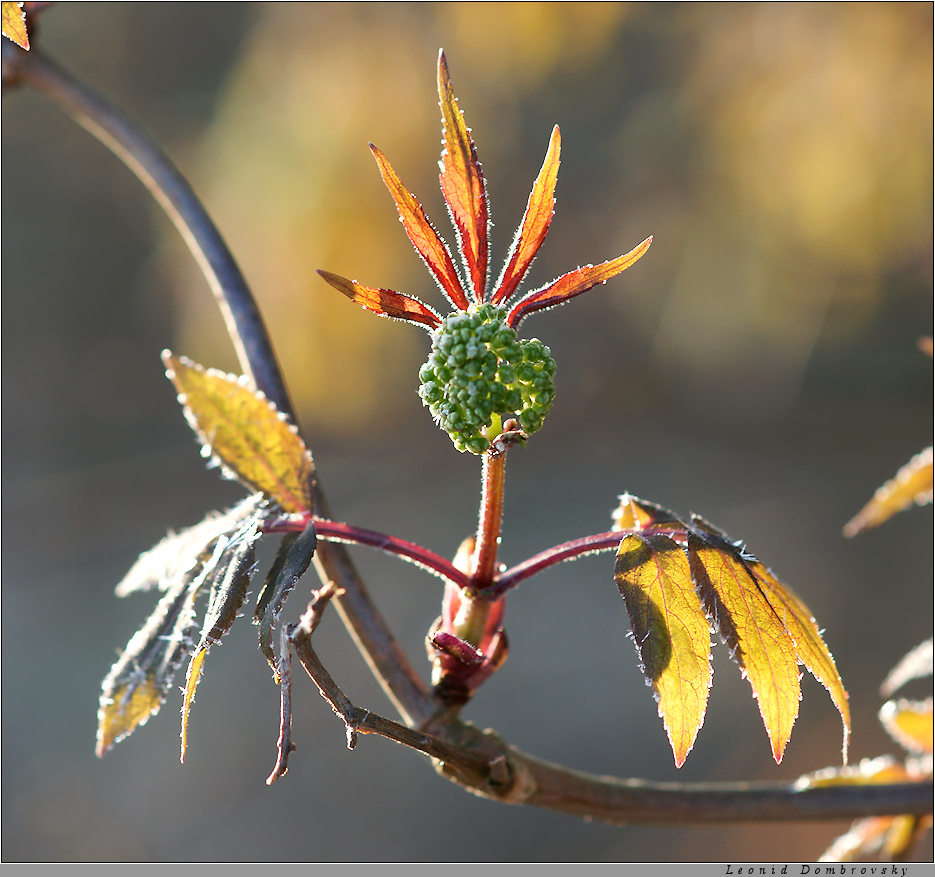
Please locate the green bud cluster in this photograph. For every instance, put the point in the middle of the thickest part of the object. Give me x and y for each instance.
(479, 372)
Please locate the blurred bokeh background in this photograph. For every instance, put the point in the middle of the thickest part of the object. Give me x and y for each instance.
(758, 366)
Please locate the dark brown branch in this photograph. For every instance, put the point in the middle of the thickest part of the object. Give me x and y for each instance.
(248, 334)
(284, 746)
(483, 763)
(624, 802)
(362, 721)
(477, 760)
(154, 169)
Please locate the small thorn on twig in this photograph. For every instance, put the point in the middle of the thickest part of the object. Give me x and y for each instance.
(499, 772)
(316, 607)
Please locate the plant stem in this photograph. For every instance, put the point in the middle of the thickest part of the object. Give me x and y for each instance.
(154, 169)
(484, 562)
(248, 334)
(336, 531)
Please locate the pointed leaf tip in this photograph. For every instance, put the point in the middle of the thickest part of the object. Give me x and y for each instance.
(462, 184)
(245, 432)
(385, 302)
(429, 245)
(535, 224)
(670, 631)
(759, 641)
(574, 283)
(912, 484)
(14, 23)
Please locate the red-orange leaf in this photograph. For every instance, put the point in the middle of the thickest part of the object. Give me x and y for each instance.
(14, 23)
(424, 238)
(755, 634)
(670, 631)
(535, 225)
(462, 184)
(385, 302)
(574, 283)
(912, 484)
(242, 430)
(810, 648)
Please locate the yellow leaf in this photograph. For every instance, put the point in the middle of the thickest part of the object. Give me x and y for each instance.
(243, 430)
(755, 634)
(136, 686)
(125, 710)
(893, 836)
(810, 648)
(634, 513)
(909, 723)
(870, 772)
(912, 484)
(670, 631)
(191, 683)
(14, 24)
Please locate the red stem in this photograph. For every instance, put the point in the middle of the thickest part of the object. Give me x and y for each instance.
(608, 541)
(335, 531)
(484, 563)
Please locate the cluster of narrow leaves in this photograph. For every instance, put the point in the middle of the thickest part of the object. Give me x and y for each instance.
(244, 434)
(465, 194)
(679, 581)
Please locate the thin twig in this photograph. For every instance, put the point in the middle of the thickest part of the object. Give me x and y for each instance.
(363, 721)
(483, 763)
(477, 760)
(105, 121)
(284, 745)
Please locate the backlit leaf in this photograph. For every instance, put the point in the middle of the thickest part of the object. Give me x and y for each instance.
(424, 238)
(638, 514)
(177, 554)
(535, 225)
(292, 560)
(230, 578)
(192, 677)
(462, 184)
(14, 23)
(756, 635)
(243, 431)
(573, 283)
(670, 631)
(915, 665)
(893, 836)
(912, 484)
(870, 771)
(909, 723)
(137, 684)
(810, 648)
(385, 302)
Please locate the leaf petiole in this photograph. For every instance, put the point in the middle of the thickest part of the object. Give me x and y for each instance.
(336, 531)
